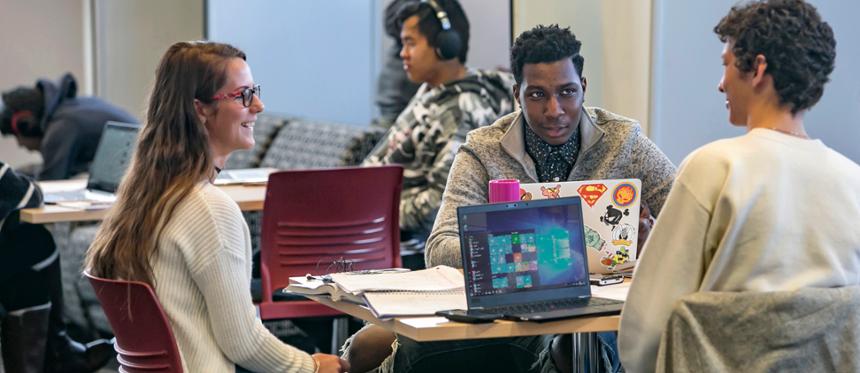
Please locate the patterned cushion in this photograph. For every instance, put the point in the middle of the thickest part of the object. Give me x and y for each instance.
(255, 226)
(81, 305)
(62, 235)
(305, 144)
(265, 129)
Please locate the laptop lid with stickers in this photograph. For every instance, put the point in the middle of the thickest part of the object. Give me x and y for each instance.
(610, 211)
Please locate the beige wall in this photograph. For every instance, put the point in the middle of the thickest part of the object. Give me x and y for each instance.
(39, 38)
(615, 39)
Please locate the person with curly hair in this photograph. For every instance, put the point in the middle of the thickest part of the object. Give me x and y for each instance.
(750, 213)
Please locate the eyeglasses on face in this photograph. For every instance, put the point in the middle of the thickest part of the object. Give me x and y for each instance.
(246, 93)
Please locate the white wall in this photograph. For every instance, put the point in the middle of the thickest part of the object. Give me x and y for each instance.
(40, 39)
(615, 39)
(131, 37)
(314, 59)
(320, 60)
(490, 29)
(689, 112)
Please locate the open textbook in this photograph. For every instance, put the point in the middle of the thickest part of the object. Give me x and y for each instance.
(390, 293)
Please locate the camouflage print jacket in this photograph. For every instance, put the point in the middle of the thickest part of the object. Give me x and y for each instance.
(426, 135)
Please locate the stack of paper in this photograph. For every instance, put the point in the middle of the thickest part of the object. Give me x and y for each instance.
(390, 293)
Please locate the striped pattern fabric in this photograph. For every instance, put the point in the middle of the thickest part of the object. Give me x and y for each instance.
(16, 192)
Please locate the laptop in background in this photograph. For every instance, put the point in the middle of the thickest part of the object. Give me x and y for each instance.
(113, 156)
(610, 210)
(526, 260)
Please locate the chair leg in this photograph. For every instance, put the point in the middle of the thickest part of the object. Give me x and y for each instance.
(339, 331)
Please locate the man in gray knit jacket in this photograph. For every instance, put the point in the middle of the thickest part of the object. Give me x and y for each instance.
(552, 138)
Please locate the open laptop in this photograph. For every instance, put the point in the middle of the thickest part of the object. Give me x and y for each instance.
(113, 155)
(610, 210)
(526, 260)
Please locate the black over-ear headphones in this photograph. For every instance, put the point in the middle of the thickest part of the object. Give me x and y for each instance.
(447, 41)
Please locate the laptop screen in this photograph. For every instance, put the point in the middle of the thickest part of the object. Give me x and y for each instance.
(524, 246)
(113, 155)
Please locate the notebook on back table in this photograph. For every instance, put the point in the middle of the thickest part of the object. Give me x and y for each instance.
(113, 155)
(526, 260)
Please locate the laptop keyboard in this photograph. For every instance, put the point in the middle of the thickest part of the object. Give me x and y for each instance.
(519, 309)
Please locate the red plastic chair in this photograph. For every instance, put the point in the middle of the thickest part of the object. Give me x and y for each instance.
(313, 218)
(144, 340)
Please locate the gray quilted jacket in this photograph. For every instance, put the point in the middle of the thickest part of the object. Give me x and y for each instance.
(807, 330)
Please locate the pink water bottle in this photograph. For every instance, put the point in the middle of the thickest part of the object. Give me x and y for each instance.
(504, 190)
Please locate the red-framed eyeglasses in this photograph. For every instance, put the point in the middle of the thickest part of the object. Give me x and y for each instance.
(246, 93)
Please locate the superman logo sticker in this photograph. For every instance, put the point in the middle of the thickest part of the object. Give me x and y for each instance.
(590, 193)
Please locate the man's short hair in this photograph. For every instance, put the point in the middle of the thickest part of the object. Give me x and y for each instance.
(22, 99)
(545, 44)
(429, 25)
(798, 45)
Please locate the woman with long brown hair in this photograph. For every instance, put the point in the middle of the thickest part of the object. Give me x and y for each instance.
(174, 230)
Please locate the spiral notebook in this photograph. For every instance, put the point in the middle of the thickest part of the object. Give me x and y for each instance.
(390, 293)
(386, 305)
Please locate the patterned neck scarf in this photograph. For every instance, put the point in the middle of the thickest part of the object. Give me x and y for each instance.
(553, 162)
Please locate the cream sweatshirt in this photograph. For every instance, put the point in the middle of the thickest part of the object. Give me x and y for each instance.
(760, 212)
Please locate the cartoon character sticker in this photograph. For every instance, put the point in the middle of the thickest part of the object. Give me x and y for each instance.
(624, 194)
(613, 216)
(551, 192)
(525, 196)
(593, 240)
(622, 234)
(619, 257)
(590, 193)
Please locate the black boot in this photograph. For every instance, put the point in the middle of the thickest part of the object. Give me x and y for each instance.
(23, 339)
(63, 354)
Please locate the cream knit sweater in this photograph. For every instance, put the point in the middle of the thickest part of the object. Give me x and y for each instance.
(757, 213)
(203, 272)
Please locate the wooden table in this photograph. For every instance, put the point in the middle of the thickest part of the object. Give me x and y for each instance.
(248, 197)
(427, 329)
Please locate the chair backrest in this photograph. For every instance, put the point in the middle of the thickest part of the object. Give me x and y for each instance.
(144, 339)
(806, 330)
(313, 218)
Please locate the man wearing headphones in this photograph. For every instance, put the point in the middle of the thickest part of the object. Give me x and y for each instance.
(451, 101)
(49, 118)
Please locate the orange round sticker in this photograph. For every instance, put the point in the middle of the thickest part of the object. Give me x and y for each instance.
(624, 195)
